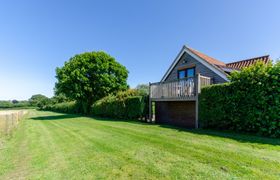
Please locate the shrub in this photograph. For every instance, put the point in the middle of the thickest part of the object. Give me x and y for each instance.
(65, 107)
(249, 103)
(143, 88)
(6, 104)
(135, 106)
(127, 104)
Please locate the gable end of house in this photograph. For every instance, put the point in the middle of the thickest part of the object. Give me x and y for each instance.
(188, 57)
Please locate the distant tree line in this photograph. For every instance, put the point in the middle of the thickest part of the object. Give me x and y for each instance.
(36, 101)
(14, 104)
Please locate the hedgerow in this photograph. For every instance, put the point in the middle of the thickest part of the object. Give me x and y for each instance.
(128, 104)
(249, 103)
(65, 107)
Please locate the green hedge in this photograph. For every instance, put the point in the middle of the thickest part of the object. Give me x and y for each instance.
(250, 103)
(10, 104)
(125, 107)
(130, 104)
(65, 107)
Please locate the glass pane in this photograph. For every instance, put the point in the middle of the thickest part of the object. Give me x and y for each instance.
(181, 74)
(190, 72)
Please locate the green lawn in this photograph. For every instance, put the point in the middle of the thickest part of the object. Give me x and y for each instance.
(58, 146)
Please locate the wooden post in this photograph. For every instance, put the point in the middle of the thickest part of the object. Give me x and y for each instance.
(6, 124)
(150, 104)
(196, 99)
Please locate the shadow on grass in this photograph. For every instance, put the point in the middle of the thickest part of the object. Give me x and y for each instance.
(56, 117)
(240, 137)
(237, 136)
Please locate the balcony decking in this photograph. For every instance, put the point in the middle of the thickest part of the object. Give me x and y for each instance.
(179, 90)
(186, 89)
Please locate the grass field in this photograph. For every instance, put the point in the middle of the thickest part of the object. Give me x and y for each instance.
(58, 146)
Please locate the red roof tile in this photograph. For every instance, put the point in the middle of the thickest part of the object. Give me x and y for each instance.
(230, 66)
(207, 58)
(248, 62)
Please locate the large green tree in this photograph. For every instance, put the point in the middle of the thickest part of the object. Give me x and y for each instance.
(39, 100)
(90, 76)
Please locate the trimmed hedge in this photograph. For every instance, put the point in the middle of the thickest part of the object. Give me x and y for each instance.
(123, 106)
(130, 104)
(250, 103)
(65, 107)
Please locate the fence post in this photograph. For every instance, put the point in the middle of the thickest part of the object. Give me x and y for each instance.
(150, 103)
(196, 99)
(7, 124)
(2, 124)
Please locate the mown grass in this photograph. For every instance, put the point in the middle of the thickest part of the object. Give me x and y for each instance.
(50, 145)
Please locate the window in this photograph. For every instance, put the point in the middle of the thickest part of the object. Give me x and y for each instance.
(190, 72)
(181, 74)
(186, 73)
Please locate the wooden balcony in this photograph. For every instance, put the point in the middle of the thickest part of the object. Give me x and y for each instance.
(179, 90)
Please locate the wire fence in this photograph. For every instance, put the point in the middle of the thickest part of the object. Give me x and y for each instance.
(9, 120)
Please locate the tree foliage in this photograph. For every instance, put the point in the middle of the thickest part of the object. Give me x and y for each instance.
(39, 100)
(15, 101)
(143, 88)
(90, 76)
(59, 98)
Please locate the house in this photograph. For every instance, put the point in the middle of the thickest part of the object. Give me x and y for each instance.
(176, 95)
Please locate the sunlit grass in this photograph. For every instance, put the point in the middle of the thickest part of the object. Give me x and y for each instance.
(58, 146)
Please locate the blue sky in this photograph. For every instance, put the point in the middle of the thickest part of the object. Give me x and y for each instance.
(144, 35)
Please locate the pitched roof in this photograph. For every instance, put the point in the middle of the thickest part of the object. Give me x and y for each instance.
(207, 61)
(248, 62)
(219, 67)
(233, 66)
(237, 65)
(206, 58)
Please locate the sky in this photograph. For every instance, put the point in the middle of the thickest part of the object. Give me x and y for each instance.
(36, 36)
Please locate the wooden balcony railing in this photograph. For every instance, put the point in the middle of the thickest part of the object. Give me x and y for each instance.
(181, 89)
